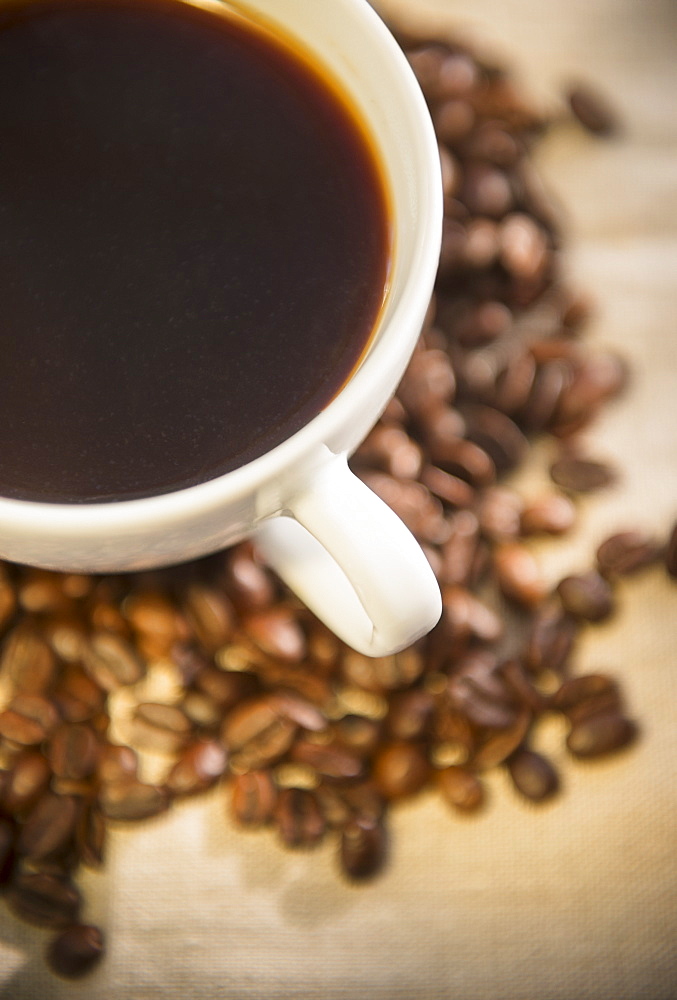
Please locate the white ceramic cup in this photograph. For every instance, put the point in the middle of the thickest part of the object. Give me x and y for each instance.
(346, 555)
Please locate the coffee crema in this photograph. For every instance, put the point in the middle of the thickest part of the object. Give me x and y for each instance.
(194, 246)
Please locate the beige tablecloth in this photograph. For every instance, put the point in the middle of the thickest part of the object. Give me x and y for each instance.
(576, 899)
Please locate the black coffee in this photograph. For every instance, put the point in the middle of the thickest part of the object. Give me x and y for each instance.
(194, 246)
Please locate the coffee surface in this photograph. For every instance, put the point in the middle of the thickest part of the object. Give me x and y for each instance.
(193, 247)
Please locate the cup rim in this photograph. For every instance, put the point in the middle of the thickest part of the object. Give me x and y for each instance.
(387, 353)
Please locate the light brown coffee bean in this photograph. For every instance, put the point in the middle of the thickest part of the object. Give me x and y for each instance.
(28, 720)
(130, 799)
(451, 490)
(461, 788)
(77, 696)
(382, 673)
(329, 760)
(160, 728)
(278, 632)
(200, 765)
(551, 514)
(117, 762)
(27, 659)
(27, 779)
(156, 621)
(496, 746)
(519, 575)
(363, 848)
(112, 661)
(499, 513)
(253, 798)
(358, 733)
(400, 769)
(43, 900)
(533, 775)
(75, 951)
(587, 596)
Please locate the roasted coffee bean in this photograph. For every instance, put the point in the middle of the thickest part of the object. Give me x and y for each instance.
(6, 851)
(400, 769)
(587, 596)
(256, 734)
(43, 900)
(465, 617)
(477, 690)
(518, 574)
(497, 434)
(299, 710)
(27, 659)
(247, 582)
(200, 765)
(209, 614)
(552, 514)
(585, 695)
(358, 733)
(499, 513)
(363, 849)
(28, 720)
(581, 475)
(158, 625)
(73, 751)
(461, 788)
(162, 728)
(90, 835)
(382, 673)
(460, 549)
(49, 826)
(625, 553)
(77, 696)
(226, 688)
(410, 715)
(413, 503)
(329, 760)
(550, 380)
(277, 632)
(497, 745)
(551, 639)
(389, 447)
(601, 733)
(671, 554)
(117, 763)
(451, 490)
(533, 775)
(75, 951)
(130, 799)
(298, 818)
(592, 110)
(111, 661)
(27, 778)
(253, 798)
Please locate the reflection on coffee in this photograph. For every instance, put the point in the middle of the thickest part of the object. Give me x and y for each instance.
(194, 246)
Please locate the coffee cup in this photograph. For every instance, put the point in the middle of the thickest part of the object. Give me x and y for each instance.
(337, 545)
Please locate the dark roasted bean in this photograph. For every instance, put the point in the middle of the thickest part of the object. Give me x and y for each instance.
(26, 780)
(27, 659)
(42, 899)
(49, 826)
(551, 640)
(625, 553)
(586, 595)
(111, 661)
(28, 720)
(581, 475)
(90, 835)
(671, 554)
(298, 817)
(533, 775)
(73, 751)
(256, 734)
(363, 850)
(592, 110)
(75, 951)
(330, 760)
(277, 631)
(600, 733)
(410, 715)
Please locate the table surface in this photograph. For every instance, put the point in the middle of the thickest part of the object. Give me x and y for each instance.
(571, 899)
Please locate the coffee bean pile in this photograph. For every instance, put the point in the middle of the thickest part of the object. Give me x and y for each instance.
(120, 694)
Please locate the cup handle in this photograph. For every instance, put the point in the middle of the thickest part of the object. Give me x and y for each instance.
(352, 561)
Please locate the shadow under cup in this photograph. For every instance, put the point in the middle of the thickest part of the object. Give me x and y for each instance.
(355, 51)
